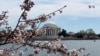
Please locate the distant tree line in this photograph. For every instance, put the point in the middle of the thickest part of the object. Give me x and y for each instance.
(82, 34)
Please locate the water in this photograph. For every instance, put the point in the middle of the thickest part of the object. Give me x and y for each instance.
(91, 46)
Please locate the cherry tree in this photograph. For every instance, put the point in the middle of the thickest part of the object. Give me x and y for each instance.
(20, 37)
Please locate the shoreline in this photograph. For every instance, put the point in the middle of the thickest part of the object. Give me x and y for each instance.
(66, 39)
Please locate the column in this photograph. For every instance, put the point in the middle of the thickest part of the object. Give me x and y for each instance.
(50, 32)
(56, 31)
(46, 32)
(53, 32)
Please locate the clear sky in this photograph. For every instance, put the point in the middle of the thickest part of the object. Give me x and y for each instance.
(75, 17)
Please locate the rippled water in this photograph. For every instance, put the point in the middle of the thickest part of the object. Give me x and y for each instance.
(91, 46)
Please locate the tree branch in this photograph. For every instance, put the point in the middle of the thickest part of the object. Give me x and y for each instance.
(10, 35)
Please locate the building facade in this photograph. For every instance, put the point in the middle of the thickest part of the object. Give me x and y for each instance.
(51, 30)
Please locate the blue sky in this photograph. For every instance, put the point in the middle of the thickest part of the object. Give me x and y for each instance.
(75, 17)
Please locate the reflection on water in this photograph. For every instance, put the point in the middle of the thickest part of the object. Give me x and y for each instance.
(92, 47)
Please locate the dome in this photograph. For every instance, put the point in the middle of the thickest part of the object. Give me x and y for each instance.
(50, 25)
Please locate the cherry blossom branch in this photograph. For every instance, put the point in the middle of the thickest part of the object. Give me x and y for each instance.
(26, 6)
(52, 13)
(9, 36)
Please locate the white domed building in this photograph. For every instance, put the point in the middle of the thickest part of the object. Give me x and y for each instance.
(51, 30)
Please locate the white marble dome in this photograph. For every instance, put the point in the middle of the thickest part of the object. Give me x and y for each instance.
(50, 25)
(51, 30)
